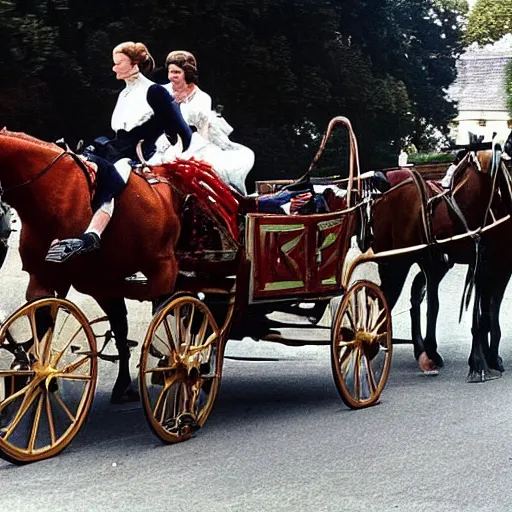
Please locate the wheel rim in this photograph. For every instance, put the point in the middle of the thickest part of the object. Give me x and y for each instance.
(47, 378)
(180, 368)
(362, 345)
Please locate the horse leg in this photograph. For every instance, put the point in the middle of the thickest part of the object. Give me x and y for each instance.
(498, 287)
(434, 272)
(418, 289)
(393, 276)
(115, 309)
(479, 370)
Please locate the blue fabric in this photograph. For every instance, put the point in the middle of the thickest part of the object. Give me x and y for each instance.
(168, 115)
(167, 119)
(109, 183)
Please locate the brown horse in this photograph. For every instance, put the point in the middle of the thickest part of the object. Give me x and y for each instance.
(53, 199)
(399, 221)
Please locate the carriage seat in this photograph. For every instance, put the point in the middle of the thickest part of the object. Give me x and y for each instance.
(306, 200)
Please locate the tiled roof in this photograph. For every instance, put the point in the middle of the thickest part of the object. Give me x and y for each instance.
(480, 83)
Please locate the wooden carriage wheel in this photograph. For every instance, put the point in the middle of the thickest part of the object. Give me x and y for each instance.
(48, 372)
(361, 345)
(180, 368)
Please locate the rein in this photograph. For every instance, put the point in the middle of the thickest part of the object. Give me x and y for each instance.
(34, 178)
(46, 169)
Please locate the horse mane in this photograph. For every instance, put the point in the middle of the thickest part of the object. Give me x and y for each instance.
(28, 138)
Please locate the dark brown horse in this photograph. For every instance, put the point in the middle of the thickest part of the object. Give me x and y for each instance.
(52, 197)
(400, 220)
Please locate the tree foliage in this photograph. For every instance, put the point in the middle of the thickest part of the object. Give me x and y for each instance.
(281, 68)
(489, 21)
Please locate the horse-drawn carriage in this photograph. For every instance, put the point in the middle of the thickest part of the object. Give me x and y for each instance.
(246, 265)
(225, 287)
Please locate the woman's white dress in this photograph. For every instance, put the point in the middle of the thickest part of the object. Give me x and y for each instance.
(211, 143)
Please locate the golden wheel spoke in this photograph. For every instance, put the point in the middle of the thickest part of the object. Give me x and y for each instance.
(17, 373)
(357, 374)
(344, 344)
(172, 334)
(164, 393)
(378, 325)
(345, 358)
(16, 395)
(33, 328)
(352, 314)
(382, 337)
(68, 344)
(371, 377)
(362, 302)
(28, 400)
(49, 415)
(188, 329)
(202, 331)
(72, 376)
(194, 398)
(165, 343)
(64, 406)
(48, 337)
(35, 424)
(157, 369)
(74, 366)
(348, 314)
(205, 346)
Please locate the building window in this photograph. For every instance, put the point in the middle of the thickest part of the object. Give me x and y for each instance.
(482, 122)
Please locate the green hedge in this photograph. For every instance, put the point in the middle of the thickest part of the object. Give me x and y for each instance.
(430, 158)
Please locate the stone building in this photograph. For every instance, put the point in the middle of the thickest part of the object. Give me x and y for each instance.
(480, 93)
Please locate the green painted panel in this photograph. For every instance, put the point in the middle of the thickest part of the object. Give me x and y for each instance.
(284, 285)
(273, 228)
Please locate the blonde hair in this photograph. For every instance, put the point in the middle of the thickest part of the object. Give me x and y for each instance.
(138, 53)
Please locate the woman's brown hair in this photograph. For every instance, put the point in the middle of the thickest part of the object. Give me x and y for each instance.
(138, 53)
(185, 61)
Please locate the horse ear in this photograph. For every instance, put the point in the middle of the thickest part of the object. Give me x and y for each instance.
(4, 129)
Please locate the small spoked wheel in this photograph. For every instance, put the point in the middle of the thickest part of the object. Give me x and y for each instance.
(361, 345)
(180, 368)
(48, 372)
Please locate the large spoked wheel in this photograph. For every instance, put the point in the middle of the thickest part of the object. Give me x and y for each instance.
(48, 372)
(361, 345)
(180, 368)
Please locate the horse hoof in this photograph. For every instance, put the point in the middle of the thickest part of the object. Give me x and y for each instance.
(491, 374)
(129, 396)
(482, 375)
(438, 360)
(497, 365)
(426, 365)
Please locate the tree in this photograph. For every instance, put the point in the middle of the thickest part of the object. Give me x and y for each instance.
(489, 21)
(281, 68)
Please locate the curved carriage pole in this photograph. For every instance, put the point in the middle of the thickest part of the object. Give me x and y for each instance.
(354, 166)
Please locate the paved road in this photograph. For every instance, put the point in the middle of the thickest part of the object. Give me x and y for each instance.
(280, 439)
